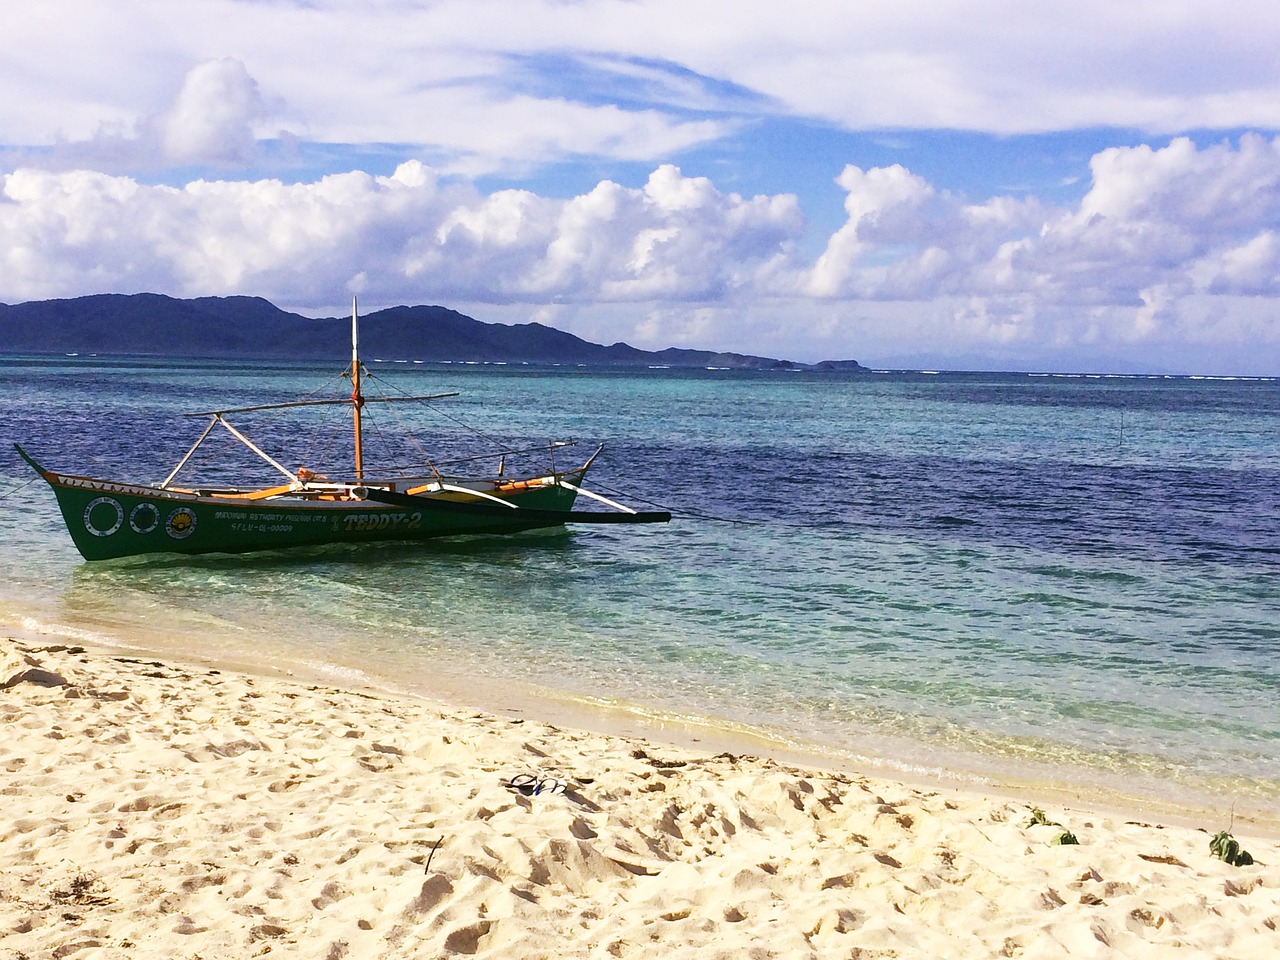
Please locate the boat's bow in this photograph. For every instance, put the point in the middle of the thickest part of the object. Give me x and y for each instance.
(45, 474)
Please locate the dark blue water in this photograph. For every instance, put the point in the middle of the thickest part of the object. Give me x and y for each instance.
(1005, 573)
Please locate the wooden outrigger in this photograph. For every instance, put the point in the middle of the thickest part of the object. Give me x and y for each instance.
(109, 519)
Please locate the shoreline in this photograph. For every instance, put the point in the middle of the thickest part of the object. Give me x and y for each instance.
(175, 808)
(950, 769)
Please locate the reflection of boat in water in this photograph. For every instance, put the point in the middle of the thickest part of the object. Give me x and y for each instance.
(109, 518)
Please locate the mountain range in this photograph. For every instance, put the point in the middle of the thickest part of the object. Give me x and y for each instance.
(150, 324)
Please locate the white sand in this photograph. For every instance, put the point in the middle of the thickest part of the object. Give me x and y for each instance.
(157, 810)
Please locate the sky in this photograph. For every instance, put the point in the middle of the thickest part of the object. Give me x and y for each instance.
(987, 184)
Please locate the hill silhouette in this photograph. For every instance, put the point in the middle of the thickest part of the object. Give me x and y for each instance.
(150, 324)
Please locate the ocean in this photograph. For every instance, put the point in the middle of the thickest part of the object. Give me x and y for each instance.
(1004, 577)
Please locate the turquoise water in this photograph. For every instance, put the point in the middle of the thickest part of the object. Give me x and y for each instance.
(1004, 574)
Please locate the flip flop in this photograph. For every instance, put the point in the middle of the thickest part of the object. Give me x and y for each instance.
(549, 785)
(526, 783)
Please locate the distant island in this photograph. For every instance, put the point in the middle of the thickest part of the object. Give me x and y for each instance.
(149, 324)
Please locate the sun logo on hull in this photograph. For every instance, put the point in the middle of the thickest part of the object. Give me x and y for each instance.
(181, 523)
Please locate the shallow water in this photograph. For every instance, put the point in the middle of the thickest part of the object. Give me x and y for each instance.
(986, 571)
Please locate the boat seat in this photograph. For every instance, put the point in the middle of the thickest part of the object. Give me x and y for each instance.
(260, 494)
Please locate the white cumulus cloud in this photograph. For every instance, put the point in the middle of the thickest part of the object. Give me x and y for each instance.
(677, 237)
(1170, 249)
(490, 82)
(213, 118)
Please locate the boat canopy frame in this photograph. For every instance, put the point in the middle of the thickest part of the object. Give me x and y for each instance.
(300, 480)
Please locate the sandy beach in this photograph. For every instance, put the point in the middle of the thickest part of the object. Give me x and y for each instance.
(158, 809)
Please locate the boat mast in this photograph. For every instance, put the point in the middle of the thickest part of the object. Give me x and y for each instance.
(357, 400)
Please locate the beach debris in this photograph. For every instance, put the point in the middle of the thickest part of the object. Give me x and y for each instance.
(1163, 858)
(37, 677)
(660, 764)
(80, 892)
(1241, 888)
(523, 782)
(434, 848)
(1051, 899)
(17, 666)
(531, 785)
(1227, 849)
(1040, 819)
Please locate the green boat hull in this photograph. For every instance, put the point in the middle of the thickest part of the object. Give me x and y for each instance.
(107, 520)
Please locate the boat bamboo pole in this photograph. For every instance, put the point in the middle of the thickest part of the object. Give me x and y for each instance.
(595, 496)
(293, 477)
(357, 401)
(195, 446)
(434, 487)
(315, 403)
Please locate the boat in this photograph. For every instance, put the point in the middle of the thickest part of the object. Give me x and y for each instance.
(108, 519)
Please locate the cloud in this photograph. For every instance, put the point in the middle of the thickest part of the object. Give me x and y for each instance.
(1174, 218)
(1171, 248)
(675, 238)
(212, 122)
(885, 208)
(219, 118)
(1177, 216)
(476, 132)
(1159, 233)
(1251, 268)
(484, 82)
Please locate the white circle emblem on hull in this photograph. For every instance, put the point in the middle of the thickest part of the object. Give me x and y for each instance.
(103, 516)
(144, 518)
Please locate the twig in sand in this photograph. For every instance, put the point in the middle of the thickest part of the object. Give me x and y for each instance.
(436, 847)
